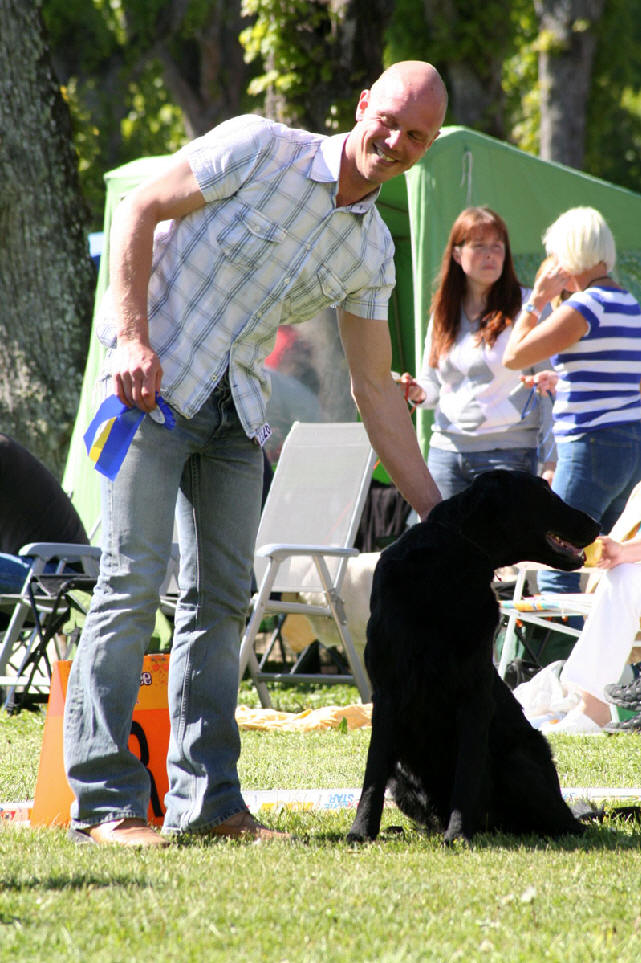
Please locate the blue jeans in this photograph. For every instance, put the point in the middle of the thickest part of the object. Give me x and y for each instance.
(454, 471)
(595, 473)
(14, 570)
(210, 474)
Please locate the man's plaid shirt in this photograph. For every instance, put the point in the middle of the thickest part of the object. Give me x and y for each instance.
(270, 247)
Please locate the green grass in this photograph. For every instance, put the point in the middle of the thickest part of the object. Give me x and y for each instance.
(318, 900)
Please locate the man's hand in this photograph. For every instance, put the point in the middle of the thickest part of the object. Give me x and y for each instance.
(137, 374)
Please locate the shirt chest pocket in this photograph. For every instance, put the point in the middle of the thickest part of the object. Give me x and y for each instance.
(250, 237)
(313, 291)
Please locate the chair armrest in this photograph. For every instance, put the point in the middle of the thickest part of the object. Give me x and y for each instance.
(540, 567)
(64, 553)
(283, 551)
(66, 550)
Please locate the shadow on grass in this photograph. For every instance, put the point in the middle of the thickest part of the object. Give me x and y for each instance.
(72, 881)
(603, 837)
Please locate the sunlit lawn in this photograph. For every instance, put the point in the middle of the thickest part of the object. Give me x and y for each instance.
(404, 898)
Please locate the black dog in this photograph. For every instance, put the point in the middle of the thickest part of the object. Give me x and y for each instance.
(447, 734)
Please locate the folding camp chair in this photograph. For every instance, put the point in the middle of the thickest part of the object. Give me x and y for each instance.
(59, 572)
(305, 539)
(548, 610)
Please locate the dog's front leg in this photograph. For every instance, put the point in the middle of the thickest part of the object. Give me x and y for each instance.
(380, 762)
(472, 725)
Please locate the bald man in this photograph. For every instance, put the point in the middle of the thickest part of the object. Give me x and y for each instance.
(250, 226)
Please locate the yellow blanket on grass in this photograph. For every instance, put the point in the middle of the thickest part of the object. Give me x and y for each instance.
(327, 717)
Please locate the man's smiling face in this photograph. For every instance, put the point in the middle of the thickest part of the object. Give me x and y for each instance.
(396, 121)
(394, 129)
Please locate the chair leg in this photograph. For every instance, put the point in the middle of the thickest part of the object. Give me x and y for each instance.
(247, 656)
(261, 688)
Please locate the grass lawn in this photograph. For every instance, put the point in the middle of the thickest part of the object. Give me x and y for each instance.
(404, 898)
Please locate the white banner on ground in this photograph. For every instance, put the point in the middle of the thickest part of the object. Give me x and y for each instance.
(328, 800)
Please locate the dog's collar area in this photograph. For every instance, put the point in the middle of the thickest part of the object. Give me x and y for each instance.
(466, 538)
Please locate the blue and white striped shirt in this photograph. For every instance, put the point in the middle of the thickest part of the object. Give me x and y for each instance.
(269, 247)
(599, 375)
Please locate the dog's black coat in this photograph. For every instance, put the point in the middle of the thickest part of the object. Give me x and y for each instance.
(447, 734)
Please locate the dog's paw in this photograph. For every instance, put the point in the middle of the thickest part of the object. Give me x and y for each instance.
(357, 838)
(459, 840)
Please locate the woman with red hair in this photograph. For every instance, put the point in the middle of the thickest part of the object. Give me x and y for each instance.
(484, 416)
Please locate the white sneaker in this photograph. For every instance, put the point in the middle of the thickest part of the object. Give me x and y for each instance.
(575, 723)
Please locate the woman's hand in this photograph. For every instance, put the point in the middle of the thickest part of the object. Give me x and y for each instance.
(411, 388)
(547, 472)
(543, 381)
(610, 553)
(551, 279)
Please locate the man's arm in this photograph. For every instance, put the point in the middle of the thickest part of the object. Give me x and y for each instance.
(136, 369)
(383, 409)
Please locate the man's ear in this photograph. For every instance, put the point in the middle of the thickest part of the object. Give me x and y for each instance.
(363, 104)
(433, 139)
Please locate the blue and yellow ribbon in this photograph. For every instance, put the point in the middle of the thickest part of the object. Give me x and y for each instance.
(112, 429)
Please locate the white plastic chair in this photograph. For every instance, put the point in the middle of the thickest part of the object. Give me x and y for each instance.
(539, 610)
(306, 536)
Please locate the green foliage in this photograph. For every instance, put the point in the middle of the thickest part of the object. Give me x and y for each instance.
(153, 123)
(520, 80)
(613, 145)
(476, 35)
(464, 32)
(408, 36)
(121, 107)
(119, 104)
(293, 40)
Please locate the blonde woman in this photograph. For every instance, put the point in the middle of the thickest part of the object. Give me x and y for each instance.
(594, 342)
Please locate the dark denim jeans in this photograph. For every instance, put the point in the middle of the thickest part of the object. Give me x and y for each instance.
(453, 471)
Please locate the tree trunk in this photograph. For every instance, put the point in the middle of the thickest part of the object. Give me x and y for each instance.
(473, 78)
(343, 52)
(205, 72)
(46, 275)
(567, 41)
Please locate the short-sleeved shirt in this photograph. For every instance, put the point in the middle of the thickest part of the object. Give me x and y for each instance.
(270, 247)
(33, 506)
(599, 375)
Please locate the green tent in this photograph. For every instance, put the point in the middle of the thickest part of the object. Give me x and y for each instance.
(462, 168)
(81, 481)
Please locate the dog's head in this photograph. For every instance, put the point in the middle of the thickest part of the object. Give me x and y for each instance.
(516, 517)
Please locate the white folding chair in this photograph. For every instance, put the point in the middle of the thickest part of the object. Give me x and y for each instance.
(37, 612)
(539, 610)
(306, 537)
